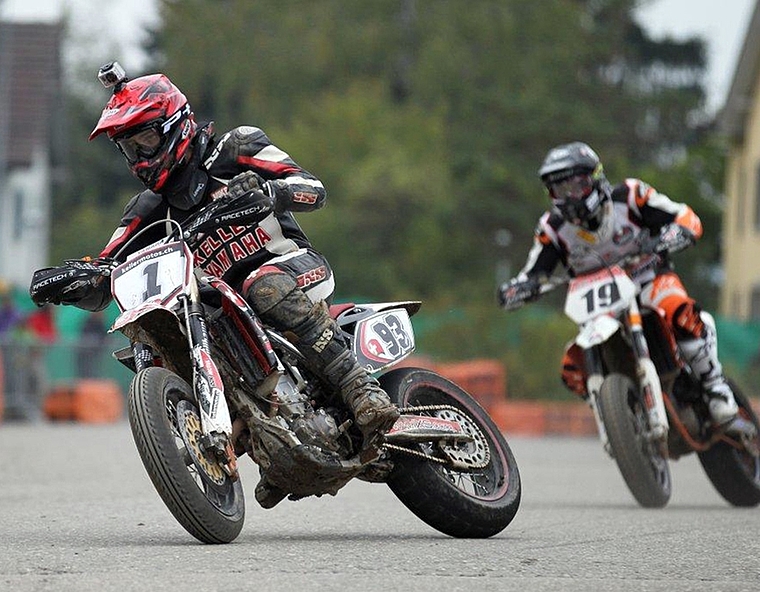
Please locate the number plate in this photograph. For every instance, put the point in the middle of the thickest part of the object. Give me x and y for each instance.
(157, 274)
(383, 339)
(607, 291)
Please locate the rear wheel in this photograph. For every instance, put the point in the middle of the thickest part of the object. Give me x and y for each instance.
(166, 428)
(469, 490)
(644, 469)
(733, 467)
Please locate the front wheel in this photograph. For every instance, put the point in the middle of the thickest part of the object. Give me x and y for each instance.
(166, 427)
(469, 490)
(644, 469)
(732, 467)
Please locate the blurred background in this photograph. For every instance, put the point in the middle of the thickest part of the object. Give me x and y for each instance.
(426, 120)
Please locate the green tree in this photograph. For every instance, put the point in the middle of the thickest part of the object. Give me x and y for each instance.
(427, 121)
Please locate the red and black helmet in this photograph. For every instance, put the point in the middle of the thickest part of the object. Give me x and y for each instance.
(151, 122)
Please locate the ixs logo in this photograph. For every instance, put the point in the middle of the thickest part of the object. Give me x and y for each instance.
(323, 340)
(312, 276)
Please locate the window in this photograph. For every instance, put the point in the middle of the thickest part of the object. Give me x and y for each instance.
(754, 305)
(18, 214)
(757, 198)
(741, 199)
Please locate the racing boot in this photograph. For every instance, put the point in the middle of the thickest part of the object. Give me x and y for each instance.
(702, 356)
(279, 302)
(372, 408)
(319, 340)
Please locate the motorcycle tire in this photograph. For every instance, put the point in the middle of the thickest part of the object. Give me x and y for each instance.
(164, 421)
(733, 471)
(643, 467)
(475, 502)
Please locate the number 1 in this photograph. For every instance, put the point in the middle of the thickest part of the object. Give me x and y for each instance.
(151, 275)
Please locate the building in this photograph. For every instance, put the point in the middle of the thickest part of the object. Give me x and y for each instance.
(30, 140)
(740, 122)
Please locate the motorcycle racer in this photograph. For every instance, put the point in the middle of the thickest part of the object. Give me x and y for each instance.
(592, 224)
(184, 165)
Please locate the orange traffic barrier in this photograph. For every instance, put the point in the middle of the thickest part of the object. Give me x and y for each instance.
(520, 417)
(87, 401)
(570, 418)
(485, 380)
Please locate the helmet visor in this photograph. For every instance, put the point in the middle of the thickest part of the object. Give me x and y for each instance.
(140, 145)
(571, 188)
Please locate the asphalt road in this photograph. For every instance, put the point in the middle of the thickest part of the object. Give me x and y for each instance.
(78, 512)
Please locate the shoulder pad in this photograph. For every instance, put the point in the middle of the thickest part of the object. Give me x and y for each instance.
(247, 133)
(143, 202)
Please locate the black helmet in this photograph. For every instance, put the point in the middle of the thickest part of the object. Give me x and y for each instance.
(574, 177)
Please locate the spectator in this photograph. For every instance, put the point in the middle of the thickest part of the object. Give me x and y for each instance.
(41, 323)
(10, 315)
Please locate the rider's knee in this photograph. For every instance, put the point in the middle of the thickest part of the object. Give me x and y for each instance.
(275, 296)
(687, 321)
(574, 370)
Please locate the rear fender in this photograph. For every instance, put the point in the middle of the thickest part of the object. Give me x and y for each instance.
(381, 334)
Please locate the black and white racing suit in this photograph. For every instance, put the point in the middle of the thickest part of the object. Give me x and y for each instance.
(234, 253)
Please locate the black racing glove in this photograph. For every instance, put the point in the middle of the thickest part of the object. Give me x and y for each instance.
(244, 183)
(251, 185)
(515, 293)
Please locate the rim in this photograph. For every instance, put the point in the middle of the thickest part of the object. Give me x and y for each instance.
(209, 477)
(749, 463)
(485, 482)
(657, 463)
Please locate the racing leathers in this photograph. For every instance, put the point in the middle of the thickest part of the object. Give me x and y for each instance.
(633, 213)
(271, 263)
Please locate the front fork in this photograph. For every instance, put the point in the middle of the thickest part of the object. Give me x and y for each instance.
(208, 387)
(648, 380)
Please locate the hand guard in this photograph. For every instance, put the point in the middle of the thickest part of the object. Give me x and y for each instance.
(79, 282)
(514, 293)
(673, 238)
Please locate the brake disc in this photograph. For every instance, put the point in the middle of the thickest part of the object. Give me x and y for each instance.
(189, 424)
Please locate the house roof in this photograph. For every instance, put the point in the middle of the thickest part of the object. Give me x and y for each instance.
(30, 87)
(734, 113)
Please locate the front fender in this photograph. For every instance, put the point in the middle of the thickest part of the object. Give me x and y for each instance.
(161, 329)
(597, 331)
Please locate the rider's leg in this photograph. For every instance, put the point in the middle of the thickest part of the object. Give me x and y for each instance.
(701, 353)
(695, 334)
(276, 297)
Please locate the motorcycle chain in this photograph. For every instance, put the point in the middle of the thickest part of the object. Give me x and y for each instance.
(417, 453)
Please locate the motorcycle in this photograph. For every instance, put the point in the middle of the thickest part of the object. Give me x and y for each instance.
(648, 405)
(213, 383)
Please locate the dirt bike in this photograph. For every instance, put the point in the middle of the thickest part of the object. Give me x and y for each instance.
(648, 405)
(213, 383)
